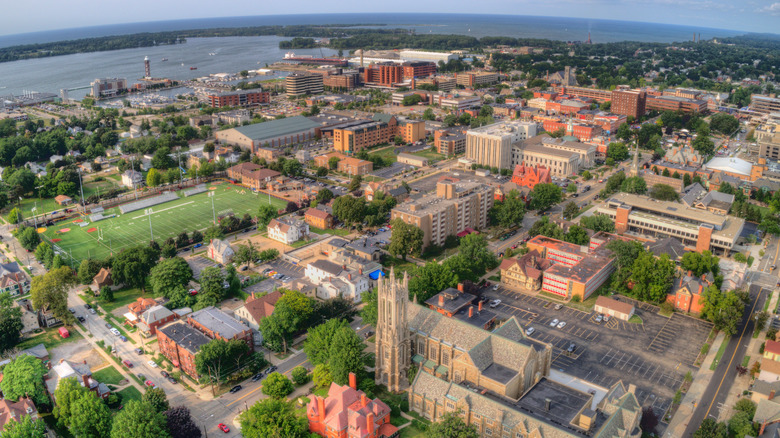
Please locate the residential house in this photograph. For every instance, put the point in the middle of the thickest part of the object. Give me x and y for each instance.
(13, 280)
(770, 371)
(103, 278)
(349, 413)
(525, 271)
(220, 251)
(257, 307)
(287, 230)
(319, 218)
(79, 371)
(337, 281)
(16, 411)
(132, 179)
(372, 188)
(46, 318)
(140, 306)
(772, 350)
(686, 294)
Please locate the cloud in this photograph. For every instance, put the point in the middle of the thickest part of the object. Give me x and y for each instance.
(773, 9)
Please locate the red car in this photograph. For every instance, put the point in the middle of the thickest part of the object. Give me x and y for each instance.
(223, 427)
(149, 383)
(193, 292)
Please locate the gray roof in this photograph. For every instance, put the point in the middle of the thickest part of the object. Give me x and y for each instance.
(766, 388)
(156, 313)
(219, 322)
(277, 128)
(692, 193)
(184, 336)
(327, 266)
(669, 246)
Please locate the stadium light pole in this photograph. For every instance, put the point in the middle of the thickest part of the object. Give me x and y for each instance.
(149, 213)
(213, 211)
(81, 187)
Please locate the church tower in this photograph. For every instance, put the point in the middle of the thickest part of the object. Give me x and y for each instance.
(393, 343)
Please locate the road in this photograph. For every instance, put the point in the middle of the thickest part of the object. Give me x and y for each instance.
(714, 397)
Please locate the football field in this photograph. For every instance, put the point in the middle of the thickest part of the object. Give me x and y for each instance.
(80, 239)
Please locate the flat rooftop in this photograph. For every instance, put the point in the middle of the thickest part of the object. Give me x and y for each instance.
(565, 402)
(277, 128)
(501, 128)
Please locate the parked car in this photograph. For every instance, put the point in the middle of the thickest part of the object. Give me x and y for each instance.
(71, 310)
(82, 319)
(109, 326)
(149, 383)
(529, 331)
(495, 287)
(257, 377)
(558, 306)
(152, 364)
(127, 363)
(92, 311)
(87, 306)
(164, 373)
(172, 380)
(270, 369)
(123, 338)
(554, 322)
(223, 427)
(138, 351)
(599, 318)
(235, 389)
(572, 347)
(562, 324)
(193, 292)
(494, 304)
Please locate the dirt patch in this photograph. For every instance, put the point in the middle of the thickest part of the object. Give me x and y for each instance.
(56, 240)
(78, 352)
(64, 230)
(78, 221)
(92, 230)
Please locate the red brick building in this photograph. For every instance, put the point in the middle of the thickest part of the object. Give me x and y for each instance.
(629, 102)
(180, 343)
(687, 292)
(582, 132)
(527, 176)
(349, 413)
(383, 74)
(239, 98)
(418, 69)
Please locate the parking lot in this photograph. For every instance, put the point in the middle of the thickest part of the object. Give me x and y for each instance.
(393, 170)
(654, 355)
(285, 268)
(198, 264)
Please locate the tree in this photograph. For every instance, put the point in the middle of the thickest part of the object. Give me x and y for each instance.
(544, 196)
(292, 311)
(180, 423)
(28, 238)
(618, 151)
(346, 356)
(333, 162)
(651, 277)
(428, 114)
(635, 185)
(405, 239)
(723, 310)
(451, 425)
(321, 376)
(649, 420)
(370, 307)
(156, 398)
(27, 427)
(324, 196)
(277, 385)
(577, 235)
(431, 279)
(300, 375)
(153, 178)
(14, 216)
(700, 263)
(544, 227)
(273, 418)
(570, 211)
(10, 322)
(169, 274)
(511, 211)
(664, 192)
(704, 145)
(319, 340)
(246, 254)
(322, 171)
(23, 377)
(50, 292)
(724, 123)
(212, 289)
(139, 420)
(68, 391)
(711, 429)
(88, 268)
(740, 424)
(598, 222)
(355, 183)
(747, 406)
(90, 417)
(265, 214)
(624, 132)
(293, 168)
(133, 265)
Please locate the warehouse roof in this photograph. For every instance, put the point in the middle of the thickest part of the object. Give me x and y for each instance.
(277, 128)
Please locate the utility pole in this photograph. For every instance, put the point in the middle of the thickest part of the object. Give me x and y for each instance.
(81, 187)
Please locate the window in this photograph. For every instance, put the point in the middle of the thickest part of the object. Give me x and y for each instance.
(433, 352)
(488, 431)
(445, 358)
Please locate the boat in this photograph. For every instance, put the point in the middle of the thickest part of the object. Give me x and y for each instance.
(212, 54)
(193, 68)
(164, 59)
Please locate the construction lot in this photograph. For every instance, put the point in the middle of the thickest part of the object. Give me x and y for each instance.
(654, 355)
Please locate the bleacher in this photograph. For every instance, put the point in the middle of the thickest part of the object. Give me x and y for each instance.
(148, 202)
(200, 188)
(96, 217)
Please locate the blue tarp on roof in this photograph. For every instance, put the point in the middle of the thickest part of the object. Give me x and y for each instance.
(376, 274)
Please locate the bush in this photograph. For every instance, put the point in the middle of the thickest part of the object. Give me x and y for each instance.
(771, 333)
(667, 307)
(761, 348)
(300, 375)
(405, 405)
(576, 299)
(705, 348)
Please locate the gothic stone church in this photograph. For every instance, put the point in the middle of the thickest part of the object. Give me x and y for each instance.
(496, 380)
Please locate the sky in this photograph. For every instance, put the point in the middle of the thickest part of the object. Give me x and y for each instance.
(744, 15)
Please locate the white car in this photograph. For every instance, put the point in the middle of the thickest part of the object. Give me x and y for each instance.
(495, 287)
(599, 318)
(554, 322)
(494, 304)
(562, 324)
(152, 364)
(529, 331)
(115, 331)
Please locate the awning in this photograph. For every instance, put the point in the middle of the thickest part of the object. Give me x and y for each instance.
(441, 370)
(417, 358)
(429, 364)
(130, 317)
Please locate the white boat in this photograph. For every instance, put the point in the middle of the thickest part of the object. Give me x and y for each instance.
(212, 54)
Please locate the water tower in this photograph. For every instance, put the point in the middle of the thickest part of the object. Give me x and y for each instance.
(147, 67)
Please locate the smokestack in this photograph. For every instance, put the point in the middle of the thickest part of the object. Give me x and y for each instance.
(353, 381)
(349, 276)
(460, 287)
(370, 425)
(363, 399)
(479, 308)
(471, 311)
(441, 300)
(547, 403)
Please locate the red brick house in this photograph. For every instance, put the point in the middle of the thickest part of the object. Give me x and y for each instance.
(140, 306)
(16, 411)
(319, 218)
(686, 294)
(349, 413)
(180, 343)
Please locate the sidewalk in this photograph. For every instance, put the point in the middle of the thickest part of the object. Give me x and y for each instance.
(679, 422)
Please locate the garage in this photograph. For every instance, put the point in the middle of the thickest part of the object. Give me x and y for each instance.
(614, 308)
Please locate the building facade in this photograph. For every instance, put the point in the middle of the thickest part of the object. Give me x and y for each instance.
(629, 103)
(491, 145)
(239, 98)
(107, 87)
(302, 84)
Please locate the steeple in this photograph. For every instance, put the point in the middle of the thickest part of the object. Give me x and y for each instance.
(393, 340)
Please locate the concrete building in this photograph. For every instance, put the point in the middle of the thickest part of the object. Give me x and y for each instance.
(271, 134)
(449, 142)
(614, 308)
(768, 140)
(563, 158)
(238, 98)
(629, 103)
(418, 69)
(413, 160)
(491, 145)
(419, 55)
(107, 87)
(411, 130)
(454, 207)
(674, 103)
(384, 75)
(459, 103)
(335, 280)
(476, 79)
(764, 104)
(697, 229)
(302, 84)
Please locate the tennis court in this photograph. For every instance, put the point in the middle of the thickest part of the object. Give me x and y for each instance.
(169, 219)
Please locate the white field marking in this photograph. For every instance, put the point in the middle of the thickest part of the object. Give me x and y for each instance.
(164, 209)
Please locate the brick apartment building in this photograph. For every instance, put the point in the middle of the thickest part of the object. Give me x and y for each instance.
(449, 142)
(385, 74)
(674, 103)
(348, 165)
(319, 218)
(418, 69)
(342, 82)
(239, 98)
(252, 175)
(629, 103)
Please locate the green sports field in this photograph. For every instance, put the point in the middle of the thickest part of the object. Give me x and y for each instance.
(168, 220)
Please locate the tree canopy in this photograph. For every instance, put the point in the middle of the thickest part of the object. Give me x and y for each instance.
(139, 419)
(23, 377)
(50, 292)
(273, 418)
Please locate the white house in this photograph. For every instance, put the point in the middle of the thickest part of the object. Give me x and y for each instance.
(220, 251)
(132, 178)
(334, 280)
(287, 231)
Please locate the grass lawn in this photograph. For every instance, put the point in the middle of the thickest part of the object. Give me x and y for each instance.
(50, 338)
(332, 231)
(167, 220)
(430, 154)
(721, 350)
(130, 393)
(108, 375)
(768, 299)
(46, 205)
(98, 187)
(387, 154)
(635, 319)
(122, 297)
(411, 431)
(745, 361)
(400, 265)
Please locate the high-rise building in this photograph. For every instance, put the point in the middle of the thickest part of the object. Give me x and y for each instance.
(768, 139)
(629, 103)
(147, 67)
(238, 98)
(491, 145)
(764, 104)
(301, 84)
(454, 208)
(108, 86)
(471, 79)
